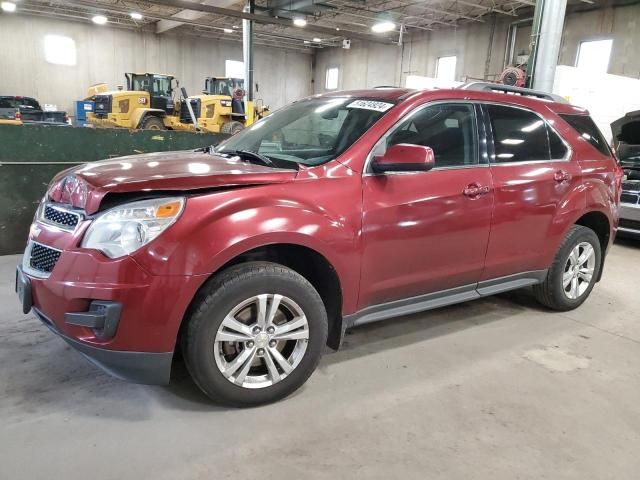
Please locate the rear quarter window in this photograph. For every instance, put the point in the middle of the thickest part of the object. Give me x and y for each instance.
(586, 127)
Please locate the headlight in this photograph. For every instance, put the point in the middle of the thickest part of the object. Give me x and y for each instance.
(124, 229)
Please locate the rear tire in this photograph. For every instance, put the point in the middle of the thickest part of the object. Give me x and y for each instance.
(573, 272)
(236, 355)
(152, 123)
(232, 128)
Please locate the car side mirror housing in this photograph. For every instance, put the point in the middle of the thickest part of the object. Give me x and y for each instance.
(404, 157)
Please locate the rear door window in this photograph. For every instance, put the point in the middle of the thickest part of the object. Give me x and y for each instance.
(586, 127)
(519, 135)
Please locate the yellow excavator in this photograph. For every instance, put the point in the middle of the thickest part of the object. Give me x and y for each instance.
(220, 108)
(146, 104)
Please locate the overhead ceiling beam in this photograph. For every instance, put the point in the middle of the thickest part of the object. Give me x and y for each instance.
(526, 2)
(486, 8)
(449, 13)
(401, 17)
(166, 25)
(187, 5)
(114, 8)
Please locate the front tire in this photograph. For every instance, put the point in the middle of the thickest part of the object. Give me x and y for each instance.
(256, 334)
(152, 123)
(232, 128)
(574, 271)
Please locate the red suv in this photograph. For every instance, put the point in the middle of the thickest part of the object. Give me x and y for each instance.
(338, 210)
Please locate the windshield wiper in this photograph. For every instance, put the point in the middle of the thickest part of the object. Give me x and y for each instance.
(249, 155)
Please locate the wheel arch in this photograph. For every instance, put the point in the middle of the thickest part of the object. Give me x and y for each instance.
(141, 114)
(601, 226)
(309, 263)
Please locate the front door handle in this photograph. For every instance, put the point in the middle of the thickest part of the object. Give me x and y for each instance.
(562, 176)
(475, 190)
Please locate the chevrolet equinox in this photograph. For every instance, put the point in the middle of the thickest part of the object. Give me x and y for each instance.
(251, 256)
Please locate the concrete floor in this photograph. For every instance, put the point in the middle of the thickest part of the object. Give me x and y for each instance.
(495, 389)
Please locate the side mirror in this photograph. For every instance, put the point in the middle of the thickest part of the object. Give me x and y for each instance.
(404, 157)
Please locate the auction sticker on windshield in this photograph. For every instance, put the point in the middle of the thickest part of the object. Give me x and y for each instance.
(371, 105)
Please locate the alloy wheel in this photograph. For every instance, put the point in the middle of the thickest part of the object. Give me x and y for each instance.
(261, 341)
(578, 270)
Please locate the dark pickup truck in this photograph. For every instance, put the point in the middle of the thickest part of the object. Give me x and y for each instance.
(28, 110)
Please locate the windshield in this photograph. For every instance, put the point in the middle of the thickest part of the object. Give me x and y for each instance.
(156, 86)
(223, 86)
(309, 132)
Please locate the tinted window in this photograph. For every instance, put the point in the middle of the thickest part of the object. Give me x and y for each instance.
(19, 102)
(519, 135)
(30, 103)
(584, 125)
(449, 129)
(556, 145)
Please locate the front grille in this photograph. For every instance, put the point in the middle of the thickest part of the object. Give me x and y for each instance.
(629, 198)
(102, 105)
(43, 258)
(630, 224)
(61, 218)
(631, 186)
(184, 111)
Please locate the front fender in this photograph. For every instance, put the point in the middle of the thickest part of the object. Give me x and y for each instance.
(217, 227)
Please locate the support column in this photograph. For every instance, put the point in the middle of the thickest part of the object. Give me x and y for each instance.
(546, 38)
(247, 51)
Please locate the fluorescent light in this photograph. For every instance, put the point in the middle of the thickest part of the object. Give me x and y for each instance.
(228, 30)
(136, 15)
(317, 40)
(306, 42)
(299, 22)
(8, 6)
(383, 27)
(99, 19)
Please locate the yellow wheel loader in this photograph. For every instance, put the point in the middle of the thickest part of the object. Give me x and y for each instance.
(146, 104)
(220, 108)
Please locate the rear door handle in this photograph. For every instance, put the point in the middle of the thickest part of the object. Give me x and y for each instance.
(561, 176)
(474, 190)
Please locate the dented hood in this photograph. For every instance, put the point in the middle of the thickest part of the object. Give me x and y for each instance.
(86, 185)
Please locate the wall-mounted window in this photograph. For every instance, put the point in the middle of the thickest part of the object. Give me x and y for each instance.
(331, 78)
(593, 56)
(59, 50)
(446, 68)
(234, 69)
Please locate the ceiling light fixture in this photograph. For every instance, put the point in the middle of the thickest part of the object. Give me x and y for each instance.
(8, 7)
(136, 15)
(317, 40)
(299, 22)
(383, 26)
(99, 19)
(227, 30)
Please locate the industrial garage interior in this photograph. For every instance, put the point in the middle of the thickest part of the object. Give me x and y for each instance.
(240, 239)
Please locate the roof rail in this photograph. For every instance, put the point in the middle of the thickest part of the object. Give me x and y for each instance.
(508, 89)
